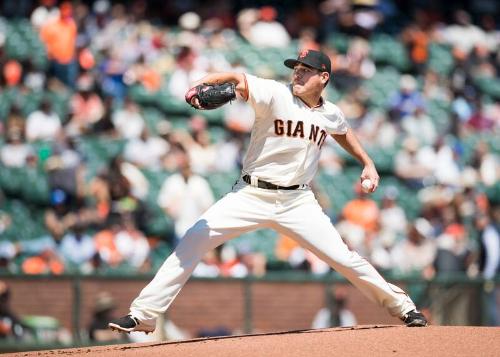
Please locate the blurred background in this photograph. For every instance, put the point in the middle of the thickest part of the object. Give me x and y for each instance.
(103, 166)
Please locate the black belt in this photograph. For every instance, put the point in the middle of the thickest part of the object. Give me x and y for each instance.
(268, 185)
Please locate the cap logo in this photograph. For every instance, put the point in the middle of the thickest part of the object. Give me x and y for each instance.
(303, 53)
(323, 66)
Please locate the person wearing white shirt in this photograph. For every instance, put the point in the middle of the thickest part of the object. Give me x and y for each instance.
(185, 196)
(146, 151)
(128, 121)
(43, 124)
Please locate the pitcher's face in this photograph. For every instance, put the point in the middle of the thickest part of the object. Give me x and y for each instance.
(306, 80)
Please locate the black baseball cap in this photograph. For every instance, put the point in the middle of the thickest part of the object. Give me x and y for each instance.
(312, 58)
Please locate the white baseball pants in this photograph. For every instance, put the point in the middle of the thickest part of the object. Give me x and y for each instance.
(295, 213)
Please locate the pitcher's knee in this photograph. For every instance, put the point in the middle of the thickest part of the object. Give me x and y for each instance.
(196, 237)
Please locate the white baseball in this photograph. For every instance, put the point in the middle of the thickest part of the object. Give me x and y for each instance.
(366, 185)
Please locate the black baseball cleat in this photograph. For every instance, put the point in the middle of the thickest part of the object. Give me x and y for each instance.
(414, 318)
(130, 324)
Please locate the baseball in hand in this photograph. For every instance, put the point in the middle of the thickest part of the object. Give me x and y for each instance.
(366, 185)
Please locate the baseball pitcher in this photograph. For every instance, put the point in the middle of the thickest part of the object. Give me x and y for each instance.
(292, 123)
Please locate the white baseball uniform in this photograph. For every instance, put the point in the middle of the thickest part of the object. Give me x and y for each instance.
(284, 150)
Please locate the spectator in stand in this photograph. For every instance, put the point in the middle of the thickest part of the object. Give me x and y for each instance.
(59, 37)
(96, 21)
(120, 192)
(128, 120)
(462, 104)
(420, 126)
(11, 327)
(35, 78)
(451, 304)
(353, 67)
(417, 41)
(16, 152)
(417, 252)
(392, 216)
(267, 31)
(190, 33)
(199, 146)
(362, 211)
(46, 11)
(46, 262)
(65, 168)
(132, 245)
(413, 164)
(230, 263)
(184, 196)
(489, 260)
(486, 163)
(289, 251)
(105, 243)
(43, 124)
(105, 126)
(446, 160)
(463, 34)
(143, 73)
(112, 70)
(139, 185)
(61, 215)
(454, 253)
(77, 249)
(489, 241)
(208, 267)
(245, 19)
(86, 107)
(229, 153)
(146, 151)
(189, 67)
(307, 39)
(12, 73)
(436, 87)
(407, 99)
(480, 121)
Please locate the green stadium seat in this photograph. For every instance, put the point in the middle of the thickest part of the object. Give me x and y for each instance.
(222, 182)
(262, 240)
(339, 41)
(440, 58)
(35, 186)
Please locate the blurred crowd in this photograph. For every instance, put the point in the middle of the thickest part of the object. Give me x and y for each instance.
(96, 54)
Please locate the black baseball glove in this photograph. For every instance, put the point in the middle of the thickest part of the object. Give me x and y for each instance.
(210, 96)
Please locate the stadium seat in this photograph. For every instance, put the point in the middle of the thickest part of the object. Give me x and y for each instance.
(440, 58)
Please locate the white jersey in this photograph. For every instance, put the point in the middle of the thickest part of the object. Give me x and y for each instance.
(287, 136)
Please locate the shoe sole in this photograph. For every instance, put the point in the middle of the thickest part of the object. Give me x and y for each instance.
(417, 323)
(139, 328)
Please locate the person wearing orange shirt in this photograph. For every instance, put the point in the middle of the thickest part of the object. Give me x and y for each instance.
(362, 211)
(59, 37)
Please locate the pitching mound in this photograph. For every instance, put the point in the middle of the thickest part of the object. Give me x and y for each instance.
(353, 341)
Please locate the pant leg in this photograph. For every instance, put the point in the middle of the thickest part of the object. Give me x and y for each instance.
(236, 213)
(303, 220)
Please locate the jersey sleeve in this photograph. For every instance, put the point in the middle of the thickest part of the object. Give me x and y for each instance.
(261, 93)
(337, 122)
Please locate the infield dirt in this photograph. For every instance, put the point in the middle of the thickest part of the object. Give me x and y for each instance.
(377, 340)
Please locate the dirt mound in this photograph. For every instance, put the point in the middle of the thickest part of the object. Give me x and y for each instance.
(385, 340)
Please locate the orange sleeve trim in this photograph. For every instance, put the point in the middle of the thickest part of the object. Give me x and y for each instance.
(246, 93)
